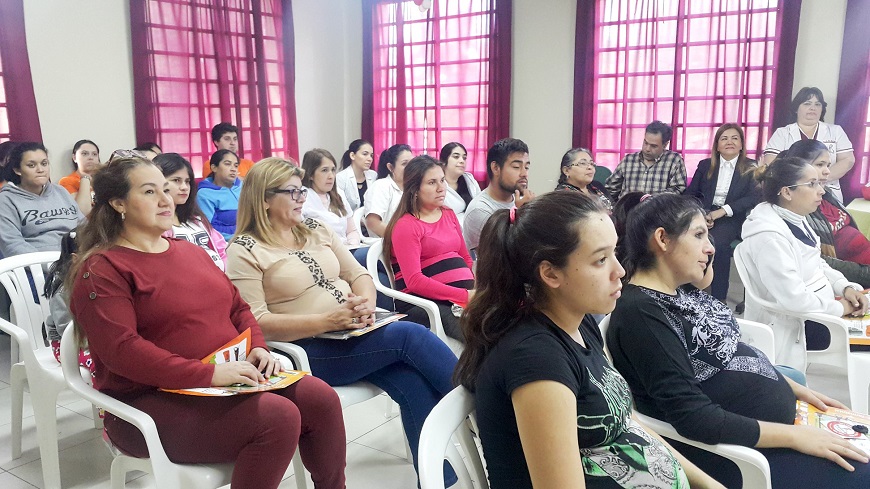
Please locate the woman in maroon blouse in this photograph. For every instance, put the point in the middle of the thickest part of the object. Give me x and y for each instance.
(147, 328)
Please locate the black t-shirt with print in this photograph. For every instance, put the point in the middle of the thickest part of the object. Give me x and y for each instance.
(615, 451)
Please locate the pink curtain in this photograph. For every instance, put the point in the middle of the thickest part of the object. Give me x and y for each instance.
(437, 76)
(196, 64)
(19, 119)
(693, 65)
(853, 94)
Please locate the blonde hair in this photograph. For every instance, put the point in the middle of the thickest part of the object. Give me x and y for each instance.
(253, 217)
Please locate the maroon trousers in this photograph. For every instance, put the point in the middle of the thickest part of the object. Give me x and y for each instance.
(258, 432)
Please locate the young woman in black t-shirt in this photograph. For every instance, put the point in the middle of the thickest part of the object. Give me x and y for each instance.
(551, 411)
(680, 351)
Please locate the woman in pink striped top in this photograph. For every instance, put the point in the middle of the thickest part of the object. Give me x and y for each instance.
(425, 246)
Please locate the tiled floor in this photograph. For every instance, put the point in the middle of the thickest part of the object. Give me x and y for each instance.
(375, 449)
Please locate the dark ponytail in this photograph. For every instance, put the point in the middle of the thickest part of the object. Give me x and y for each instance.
(353, 147)
(508, 286)
(671, 212)
(784, 171)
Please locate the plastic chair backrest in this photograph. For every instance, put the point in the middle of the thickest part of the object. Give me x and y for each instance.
(29, 315)
(601, 174)
(375, 256)
(603, 325)
(358, 216)
(447, 418)
(758, 335)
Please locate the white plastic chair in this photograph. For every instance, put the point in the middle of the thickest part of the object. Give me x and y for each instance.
(758, 335)
(166, 474)
(448, 418)
(602, 326)
(37, 370)
(856, 365)
(348, 394)
(375, 255)
(753, 466)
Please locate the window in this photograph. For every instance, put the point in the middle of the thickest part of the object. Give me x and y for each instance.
(692, 64)
(431, 77)
(208, 61)
(4, 112)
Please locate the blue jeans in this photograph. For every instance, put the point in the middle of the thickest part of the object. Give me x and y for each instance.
(383, 301)
(404, 359)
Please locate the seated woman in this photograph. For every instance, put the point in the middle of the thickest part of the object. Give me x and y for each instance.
(577, 173)
(188, 222)
(328, 203)
(782, 255)
(461, 185)
(86, 161)
(843, 247)
(218, 195)
(425, 247)
(551, 410)
(301, 281)
(724, 185)
(383, 196)
(356, 176)
(679, 349)
(147, 329)
(34, 213)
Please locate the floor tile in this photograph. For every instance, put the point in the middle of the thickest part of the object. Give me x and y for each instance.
(362, 418)
(388, 438)
(9, 481)
(371, 469)
(73, 429)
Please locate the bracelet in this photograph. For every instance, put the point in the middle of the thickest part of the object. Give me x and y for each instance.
(85, 177)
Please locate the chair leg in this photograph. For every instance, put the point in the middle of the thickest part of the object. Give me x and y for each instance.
(45, 414)
(18, 379)
(859, 382)
(119, 473)
(299, 471)
(98, 421)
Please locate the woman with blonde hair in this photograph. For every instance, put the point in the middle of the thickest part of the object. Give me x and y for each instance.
(301, 281)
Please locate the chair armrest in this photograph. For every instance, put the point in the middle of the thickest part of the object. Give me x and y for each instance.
(294, 351)
(753, 465)
(18, 334)
(69, 357)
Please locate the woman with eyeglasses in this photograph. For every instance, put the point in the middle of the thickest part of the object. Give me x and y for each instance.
(724, 186)
(781, 251)
(843, 246)
(577, 174)
(461, 185)
(301, 281)
(86, 161)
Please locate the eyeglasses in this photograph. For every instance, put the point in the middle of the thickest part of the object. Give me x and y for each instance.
(297, 194)
(586, 163)
(811, 184)
(126, 153)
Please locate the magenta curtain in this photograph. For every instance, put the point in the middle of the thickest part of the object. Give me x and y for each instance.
(198, 64)
(853, 94)
(437, 76)
(693, 65)
(19, 119)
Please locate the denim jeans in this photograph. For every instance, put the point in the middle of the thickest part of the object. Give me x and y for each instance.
(404, 359)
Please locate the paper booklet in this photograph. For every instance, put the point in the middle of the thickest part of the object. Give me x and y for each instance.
(382, 318)
(237, 350)
(840, 422)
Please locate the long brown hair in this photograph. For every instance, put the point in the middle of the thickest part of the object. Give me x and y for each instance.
(311, 162)
(104, 224)
(742, 165)
(414, 173)
(513, 244)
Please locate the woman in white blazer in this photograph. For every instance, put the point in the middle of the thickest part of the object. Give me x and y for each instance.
(356, 177)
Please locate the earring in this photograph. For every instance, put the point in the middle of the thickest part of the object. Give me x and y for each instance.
(123, 216)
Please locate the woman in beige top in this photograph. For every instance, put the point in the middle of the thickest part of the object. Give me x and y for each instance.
(301, 281)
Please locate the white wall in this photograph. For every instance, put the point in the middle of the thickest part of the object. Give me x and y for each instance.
(543, 85)
(82, 75)
(328, 73)
(820, 44)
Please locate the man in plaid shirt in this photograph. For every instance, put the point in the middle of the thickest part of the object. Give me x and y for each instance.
(652, 170)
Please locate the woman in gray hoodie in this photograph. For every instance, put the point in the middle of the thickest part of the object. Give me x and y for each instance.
(34, 213)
